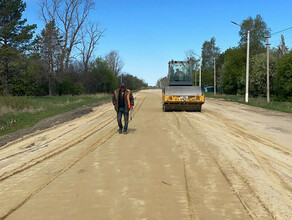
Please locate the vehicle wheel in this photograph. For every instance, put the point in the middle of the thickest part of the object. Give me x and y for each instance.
(200, 109)
(165, 108)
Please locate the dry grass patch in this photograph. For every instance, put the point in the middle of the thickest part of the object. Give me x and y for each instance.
(21, 112)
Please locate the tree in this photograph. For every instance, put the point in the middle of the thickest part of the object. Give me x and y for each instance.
(133, 82)
(162, 82)
(89, 41)
(282, 49)
(115, 62)
(100, 78)
(258, 32)
(232, 80)
(258, 74)
(70, 16)
(219, 69)
(15, 36)
(209, 52)
(191, 56)
(51, 51)
(283, 79)
(28, 78)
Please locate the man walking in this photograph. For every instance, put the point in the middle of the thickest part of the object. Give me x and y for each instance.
(123, 101)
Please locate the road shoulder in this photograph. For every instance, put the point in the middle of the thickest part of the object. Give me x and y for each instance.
(50, 122)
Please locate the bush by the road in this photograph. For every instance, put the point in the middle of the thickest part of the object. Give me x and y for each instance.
(284, 77)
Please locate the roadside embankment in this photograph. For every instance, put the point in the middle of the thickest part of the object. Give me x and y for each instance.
(255, 101)
(22, 115)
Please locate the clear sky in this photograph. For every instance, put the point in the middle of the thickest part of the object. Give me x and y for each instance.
(149, 33)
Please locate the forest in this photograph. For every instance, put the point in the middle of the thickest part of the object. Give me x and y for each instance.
(60, 60)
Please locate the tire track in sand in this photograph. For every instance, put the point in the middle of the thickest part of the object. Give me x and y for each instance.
(70, 164)
(53, 152)
(248, 209)
(187, 187)
(60, 149)
(231, 172)
(247, 140)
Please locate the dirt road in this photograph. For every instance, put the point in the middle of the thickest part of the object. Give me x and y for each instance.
(229, 161)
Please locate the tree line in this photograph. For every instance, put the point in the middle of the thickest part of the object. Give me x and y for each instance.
(231, 63)
(60, 59)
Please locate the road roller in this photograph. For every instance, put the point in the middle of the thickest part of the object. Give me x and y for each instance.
(181, 94)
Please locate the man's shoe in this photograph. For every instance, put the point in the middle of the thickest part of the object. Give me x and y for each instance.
(120, 131)
(125, 131)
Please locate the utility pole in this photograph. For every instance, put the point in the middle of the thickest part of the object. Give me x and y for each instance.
(121, 78)
(268, 70)
(247, 64)
(195, 77)
(200, 72)
(247, 69)
(214, 76)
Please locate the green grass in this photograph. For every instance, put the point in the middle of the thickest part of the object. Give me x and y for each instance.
(257, 101)
(21, 112)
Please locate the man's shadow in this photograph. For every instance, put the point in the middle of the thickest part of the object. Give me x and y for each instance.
(132, 130)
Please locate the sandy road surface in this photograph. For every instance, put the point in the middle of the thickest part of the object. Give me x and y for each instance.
(228, 162)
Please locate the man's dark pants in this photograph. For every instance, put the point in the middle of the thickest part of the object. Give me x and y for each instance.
(121, 112)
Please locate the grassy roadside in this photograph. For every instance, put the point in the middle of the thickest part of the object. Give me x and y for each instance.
(21, 112)
(257, 102)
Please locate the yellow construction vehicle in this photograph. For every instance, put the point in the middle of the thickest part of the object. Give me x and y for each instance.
(180, 94)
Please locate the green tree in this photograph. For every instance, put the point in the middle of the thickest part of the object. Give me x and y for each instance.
(219, 69)
(27, 77)
(258, 74)
(68, 87)
(232, 80)
(14, 36)
(283, 79)
(258, 32)
(209, 52)
(100, 78)
(50, 49)
(133, 82)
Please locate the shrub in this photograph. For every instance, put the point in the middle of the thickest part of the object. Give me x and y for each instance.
(68, 87)
(283, 79)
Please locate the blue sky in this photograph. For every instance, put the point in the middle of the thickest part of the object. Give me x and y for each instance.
(149, 33)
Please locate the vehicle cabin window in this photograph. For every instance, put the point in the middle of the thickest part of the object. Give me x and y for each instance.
(180, 72)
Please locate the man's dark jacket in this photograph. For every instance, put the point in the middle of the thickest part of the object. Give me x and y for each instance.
(127, 96)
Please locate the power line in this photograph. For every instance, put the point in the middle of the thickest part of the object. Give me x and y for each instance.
(288, 39)
(282, 30)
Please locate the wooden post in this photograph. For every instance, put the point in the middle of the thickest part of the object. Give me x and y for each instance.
(268, 71)
(214, 76)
